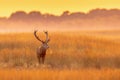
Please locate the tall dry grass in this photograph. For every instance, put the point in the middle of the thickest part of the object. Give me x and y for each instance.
(71, 56)
(72, 50)
(47, 74)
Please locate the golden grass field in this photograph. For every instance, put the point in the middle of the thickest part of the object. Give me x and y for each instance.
(71, 56)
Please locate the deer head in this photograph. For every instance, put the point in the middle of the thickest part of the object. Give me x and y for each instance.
(44, 43)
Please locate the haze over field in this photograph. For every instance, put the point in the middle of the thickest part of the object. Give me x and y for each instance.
(97, 19)
(83, 37)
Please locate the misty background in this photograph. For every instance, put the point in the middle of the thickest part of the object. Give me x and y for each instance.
(97, 19)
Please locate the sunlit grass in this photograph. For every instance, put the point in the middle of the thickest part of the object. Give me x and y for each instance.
(47, 74)
(66, 50)
(71, 56)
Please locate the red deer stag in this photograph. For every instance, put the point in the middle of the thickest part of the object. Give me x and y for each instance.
(41, 51)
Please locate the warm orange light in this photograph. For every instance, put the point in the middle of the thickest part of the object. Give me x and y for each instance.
(54, 6)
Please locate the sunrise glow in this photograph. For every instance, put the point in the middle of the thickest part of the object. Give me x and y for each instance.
(54, 6)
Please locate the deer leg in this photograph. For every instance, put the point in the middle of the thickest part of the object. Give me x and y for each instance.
(38, 58)
(43, 59)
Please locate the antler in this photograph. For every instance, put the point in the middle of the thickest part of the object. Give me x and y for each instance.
(47, 39)
(37, 36)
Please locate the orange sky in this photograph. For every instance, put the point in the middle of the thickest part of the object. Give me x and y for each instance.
(54, 6)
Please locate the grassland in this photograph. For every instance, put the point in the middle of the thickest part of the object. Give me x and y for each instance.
(71, 56)
(47, 74)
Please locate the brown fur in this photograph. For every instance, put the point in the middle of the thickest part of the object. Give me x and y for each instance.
(41, 51)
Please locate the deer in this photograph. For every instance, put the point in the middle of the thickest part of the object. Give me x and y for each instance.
(41, 50)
